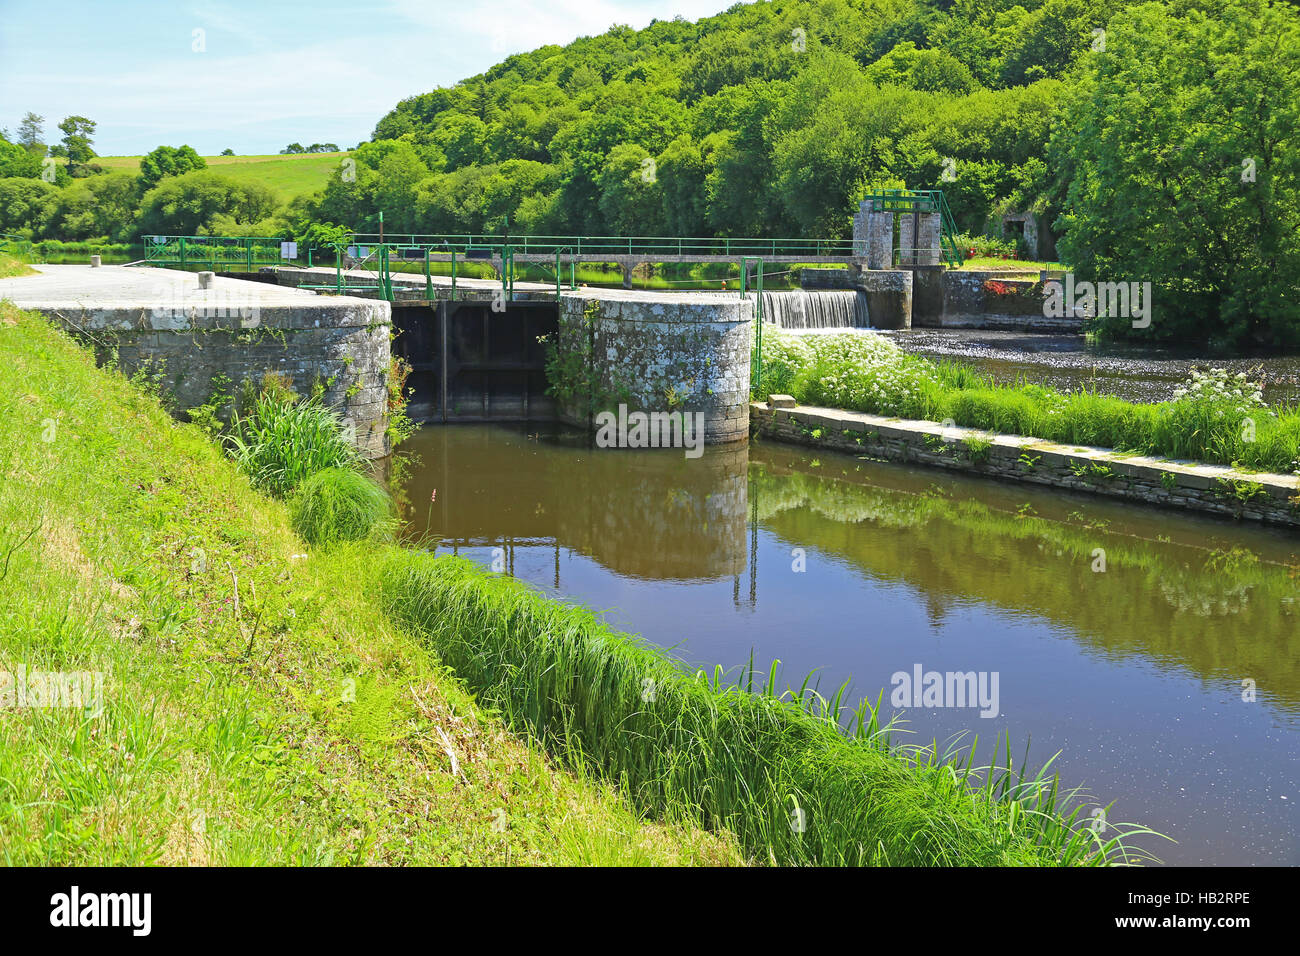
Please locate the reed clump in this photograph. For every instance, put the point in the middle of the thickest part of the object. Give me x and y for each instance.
(282, 440)
(339, 504)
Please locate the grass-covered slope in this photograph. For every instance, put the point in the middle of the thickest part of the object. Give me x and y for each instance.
(778, 773)
(258, 708)
(287, 176)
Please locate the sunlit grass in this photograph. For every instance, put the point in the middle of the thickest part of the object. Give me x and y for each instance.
(863, 373)
(339, 504)
(282, 441)
(776, 769)
(288, 175)
(259, 706)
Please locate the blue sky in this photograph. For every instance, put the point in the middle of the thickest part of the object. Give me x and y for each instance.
(270, 72)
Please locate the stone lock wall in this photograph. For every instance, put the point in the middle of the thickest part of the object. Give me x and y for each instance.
(690, 354)
(991, 300)
(1216, 489)
(342, 344)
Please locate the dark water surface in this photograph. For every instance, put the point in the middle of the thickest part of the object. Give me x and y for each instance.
(1134, 674)
(1069, 363)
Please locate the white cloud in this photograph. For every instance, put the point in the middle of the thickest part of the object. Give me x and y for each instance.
(268, 78)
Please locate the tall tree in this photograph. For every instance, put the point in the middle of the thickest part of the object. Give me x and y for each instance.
(31, 133)
(1184, 152)
(77, 132)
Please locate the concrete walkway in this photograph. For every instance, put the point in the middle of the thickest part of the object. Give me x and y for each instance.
(83, 288)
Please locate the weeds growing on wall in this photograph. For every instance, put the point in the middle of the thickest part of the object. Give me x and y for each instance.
(572, 379)
(400, 425)
(1214, 417)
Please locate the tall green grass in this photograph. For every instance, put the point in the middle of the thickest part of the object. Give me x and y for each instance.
(282, 441)
(864, 373)
(129, 545)
(339, 504)
(778, 771)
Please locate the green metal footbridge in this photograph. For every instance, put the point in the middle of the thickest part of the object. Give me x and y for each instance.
(367, 261)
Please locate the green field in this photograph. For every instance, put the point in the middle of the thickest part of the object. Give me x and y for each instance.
(286, 176)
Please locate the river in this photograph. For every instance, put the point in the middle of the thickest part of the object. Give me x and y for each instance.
(1070, 362)
(1168, 683)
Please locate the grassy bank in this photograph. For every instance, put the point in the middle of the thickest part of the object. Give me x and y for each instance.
(258, 705)
(10, 267)
(1215, 418)
(777, 772)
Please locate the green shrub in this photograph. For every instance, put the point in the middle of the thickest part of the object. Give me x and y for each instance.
(339, 504)
(282, 441)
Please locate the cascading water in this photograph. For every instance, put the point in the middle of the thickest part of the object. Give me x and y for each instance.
(803, 310)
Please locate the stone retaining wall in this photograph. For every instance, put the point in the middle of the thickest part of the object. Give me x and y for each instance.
(990, 300)
(687, 353)
(1273, 499)
(164, 324)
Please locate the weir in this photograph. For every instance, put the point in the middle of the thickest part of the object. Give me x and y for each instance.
(803, 310)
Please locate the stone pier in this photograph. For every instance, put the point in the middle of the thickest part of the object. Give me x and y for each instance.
(919, 236)
(686, 352)
(164, 322)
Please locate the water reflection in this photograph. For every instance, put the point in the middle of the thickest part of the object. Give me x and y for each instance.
(1217, 600)
(642, 514)
(856, 570)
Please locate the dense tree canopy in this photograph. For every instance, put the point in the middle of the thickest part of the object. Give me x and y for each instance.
(1184, 169)
(169, 161)
(181, 205)
(1159, 138)
(768, 119)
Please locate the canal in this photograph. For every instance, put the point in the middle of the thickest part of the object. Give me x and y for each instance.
(1169, 682)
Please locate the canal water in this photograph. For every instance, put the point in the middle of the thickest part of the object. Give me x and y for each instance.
(1169, 682)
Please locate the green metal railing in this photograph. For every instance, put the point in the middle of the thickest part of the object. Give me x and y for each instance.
(246, 251)
(383, 279)
(593, 247)
(366, 253)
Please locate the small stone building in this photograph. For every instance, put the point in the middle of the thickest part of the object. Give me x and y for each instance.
(1031, 227)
